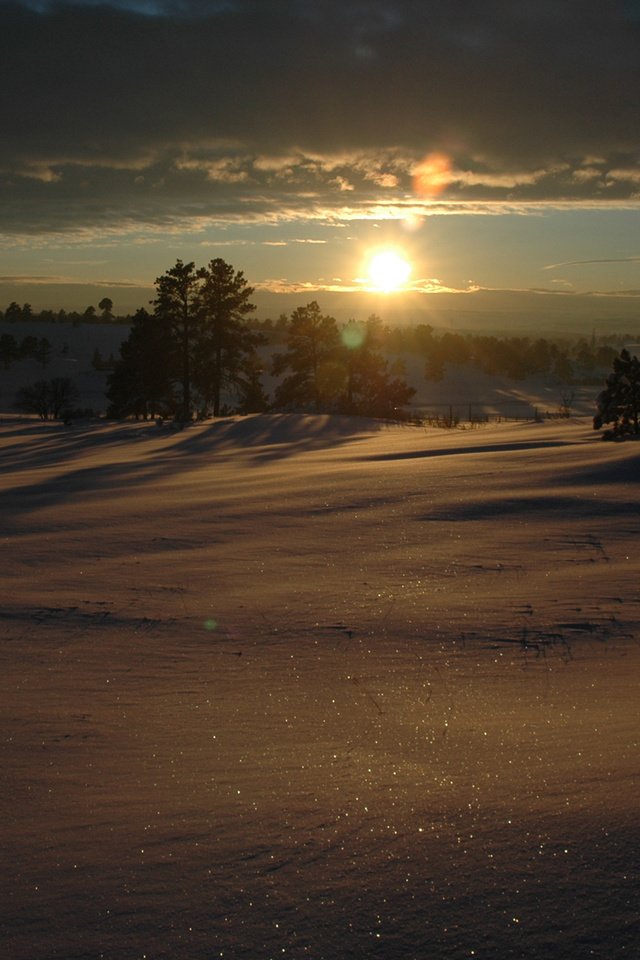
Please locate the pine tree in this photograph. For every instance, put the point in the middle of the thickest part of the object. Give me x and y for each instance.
(141, 383)
(106, 306)
(197, 338)
(9, 350)
(372, 390)
(317, 376)
(225, 344)
(43, 351)
(177, 306)
(619, 402)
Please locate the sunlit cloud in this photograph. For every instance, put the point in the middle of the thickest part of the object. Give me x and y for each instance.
(505, 180)
(342, 184)
(29, 280)
(387, 180)
(274, 163)
(228, 170)
(586, 175)
(624, 175)
(44, 172)
(356, 285)
(236, 242)
(182, 189)
(74, 263)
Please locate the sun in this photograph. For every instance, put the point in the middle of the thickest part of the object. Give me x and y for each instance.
(388, 271)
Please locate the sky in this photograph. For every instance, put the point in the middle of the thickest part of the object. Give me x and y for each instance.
(493, 144)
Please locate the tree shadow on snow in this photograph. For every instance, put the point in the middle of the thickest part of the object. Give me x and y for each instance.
(260, 438)
(38, 443)
(274, 436)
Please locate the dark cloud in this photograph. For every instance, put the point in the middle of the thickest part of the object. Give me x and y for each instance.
(145, 108)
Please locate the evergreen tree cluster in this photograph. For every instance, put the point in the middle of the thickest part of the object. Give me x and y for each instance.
(28, 348)
(194, 347)
(619, 402)
(201, 351)
(15, 313)
(197, 353)
(340, 370)
(561, 360)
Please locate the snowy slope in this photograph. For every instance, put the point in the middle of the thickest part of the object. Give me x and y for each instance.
(319, 687)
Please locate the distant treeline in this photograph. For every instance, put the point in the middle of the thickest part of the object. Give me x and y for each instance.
(13, 350)
(562, 360)
(28, 348)
(15, 313)
(202, 352)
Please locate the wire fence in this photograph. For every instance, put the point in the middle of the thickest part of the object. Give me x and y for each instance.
(476, 413)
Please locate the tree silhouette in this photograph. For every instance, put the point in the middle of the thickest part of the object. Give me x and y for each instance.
(226, 346)
(49, 399)
(28, 347)
(317, 376)
(13, 312)
(619, 402)
(106, 305)
(9, 349)
(141, 383)
(337, 370)
(372, 390)
(43, 351)
(248, 385)
(177, 305)
(196, 338)
(34, 399)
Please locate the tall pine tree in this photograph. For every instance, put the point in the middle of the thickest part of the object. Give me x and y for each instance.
(226, 346)
(142, 381)
(178, 306)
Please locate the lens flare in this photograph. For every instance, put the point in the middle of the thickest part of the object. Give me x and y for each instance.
(352, 335)
(432, 175)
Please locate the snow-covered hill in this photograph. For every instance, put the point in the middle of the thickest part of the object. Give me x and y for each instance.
(319, 687)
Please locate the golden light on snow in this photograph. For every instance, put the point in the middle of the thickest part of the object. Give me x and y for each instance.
(388, 271)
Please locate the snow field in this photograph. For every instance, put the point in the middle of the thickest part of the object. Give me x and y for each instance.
(316, 687)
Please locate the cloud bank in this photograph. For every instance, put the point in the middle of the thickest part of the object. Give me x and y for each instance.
(163, 113)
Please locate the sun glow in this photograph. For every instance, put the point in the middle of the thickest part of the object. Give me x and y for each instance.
(388, 271)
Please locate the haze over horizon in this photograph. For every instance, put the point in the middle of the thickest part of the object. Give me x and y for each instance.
(493, 145)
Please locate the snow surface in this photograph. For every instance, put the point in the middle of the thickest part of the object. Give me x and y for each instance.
(289, 686)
